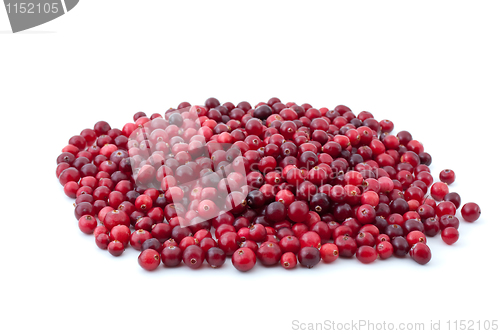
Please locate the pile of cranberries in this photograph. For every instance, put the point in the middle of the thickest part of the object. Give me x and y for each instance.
(278, 183)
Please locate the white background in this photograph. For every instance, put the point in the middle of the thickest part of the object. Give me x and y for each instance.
(431, 67)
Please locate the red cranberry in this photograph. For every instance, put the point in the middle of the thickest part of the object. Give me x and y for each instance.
(366, 254)
(149, 259)
(447, 176)
(384, 250)
(439, 190)
(448, 221)
(87, 224)
(450, 235)
(420, 253)
(138, 237)
(471, 212)
(244, 259)
(171, 256)
(215, 257)
(152, 243)
(193, 256)
(346, 245)
(269, 253)
(414, 237)
(400, 246)
(115, 218)
(116, 248)
(431, 226)
(329, 253)
(288, 260)
(298, 211)
(120, 233)
(228, 242)
(309, 256)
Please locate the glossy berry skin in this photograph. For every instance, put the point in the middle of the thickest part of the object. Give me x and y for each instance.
(309, 256)
(447, 176)
(414, 237)
(120, 233)
(288, 260)
(138, 237)
(420, 253)
(445, 208)
(346, 245)
(470, 212)
(216, 257)
(171, 256)
(298, 211)
(400, 246)
(269, 253)
(384, 250)
(310, 239)
(329, 253)
(366, 254)
(450, 235)
(244, 259)
(193, 256)
(290, 244)
(448, 221)
(143, 203)
(431, 226)
(365, 214)
(87, 224)
(228, 242)
(116, 248)
(102, 240)
(439, 190)
(149, 259)
(115, 218)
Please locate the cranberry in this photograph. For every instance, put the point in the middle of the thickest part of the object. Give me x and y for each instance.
(228, 242)
(171, 256)
(288, 260)
(87, 224)
(215, 257)
(449, 235)
(115, 218)
(244, 259)
(120, 233)
(366, 214)
(276, 211)
(346, 245)
(309, 256)
(290, 244)
(454, 198)
(445, 208)
(420, 253)
(414, 237)
(298, 211)
(384, 250)
(431, 226)
(448, 221)
(365, 239)
(269, 253)
(193, 256)
(439, 190)
(149, 259)
(400, 246)
(329, 253)
(470, 212)
(447, 176)
(366, 254)
(152, 243)
(116, 248)
(138, 237)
